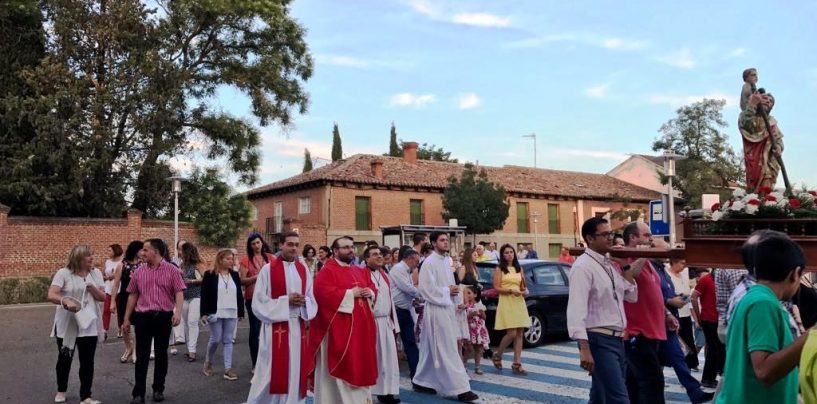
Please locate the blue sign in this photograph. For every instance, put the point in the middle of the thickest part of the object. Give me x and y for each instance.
(659, 219)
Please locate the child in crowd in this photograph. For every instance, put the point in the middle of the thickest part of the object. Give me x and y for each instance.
(476, 325)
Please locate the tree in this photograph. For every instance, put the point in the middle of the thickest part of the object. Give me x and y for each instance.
(475, 202)
(122, 88)
(307, 161)
(394, 148)
(337, 148)
(218, 214)
(711, 165)
(426, 152)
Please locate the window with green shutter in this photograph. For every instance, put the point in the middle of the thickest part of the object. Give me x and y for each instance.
(554, 250)
(363, 213)
(416, 212)
(522, 222)
(554, 226)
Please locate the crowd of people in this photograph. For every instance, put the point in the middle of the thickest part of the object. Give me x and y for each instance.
(321, 319)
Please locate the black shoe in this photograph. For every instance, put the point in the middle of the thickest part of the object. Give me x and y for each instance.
(422, 389)
(158, 396)
(468, 397)
(705, 397)
(388, 399)
(137, 400)
(709, 385)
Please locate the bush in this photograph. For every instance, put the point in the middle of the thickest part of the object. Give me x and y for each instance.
(24, 290)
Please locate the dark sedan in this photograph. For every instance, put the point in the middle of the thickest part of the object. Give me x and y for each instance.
(547, 300)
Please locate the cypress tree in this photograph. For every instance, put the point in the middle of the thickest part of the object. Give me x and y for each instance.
(337, 148)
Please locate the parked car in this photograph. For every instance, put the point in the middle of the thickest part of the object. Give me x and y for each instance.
(547, 300)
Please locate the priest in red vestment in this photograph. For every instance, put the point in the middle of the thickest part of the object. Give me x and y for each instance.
(343, 335)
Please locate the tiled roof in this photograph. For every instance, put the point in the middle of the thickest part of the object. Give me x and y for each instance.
(435, 174)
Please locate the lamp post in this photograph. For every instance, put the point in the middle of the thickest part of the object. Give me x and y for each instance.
(533, 135)
(535, 217)
(670, 158)
(177, 188)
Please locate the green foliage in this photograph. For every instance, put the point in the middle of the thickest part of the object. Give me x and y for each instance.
(123, 86)
(24, 290)
(307, 161)
(433, 153)
(711, 165)
(394, 148)
(475, 202)
(219, 214)
(337, 148)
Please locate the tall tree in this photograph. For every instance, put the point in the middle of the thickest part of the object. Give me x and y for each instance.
(218, 213)
(307, 161)
(475, 202)
(394, 148)
(337, 148)
(123, 88)
(711, 165)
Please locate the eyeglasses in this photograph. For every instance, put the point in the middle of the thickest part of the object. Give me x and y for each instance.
(604, 234)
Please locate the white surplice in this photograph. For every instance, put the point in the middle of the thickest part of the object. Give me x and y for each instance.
(440, 366)
(388, 368)
(270, 311)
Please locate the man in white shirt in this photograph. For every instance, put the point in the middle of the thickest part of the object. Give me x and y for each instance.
(404, 293)
(595, 313)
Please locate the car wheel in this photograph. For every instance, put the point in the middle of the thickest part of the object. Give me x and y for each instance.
(535, 335)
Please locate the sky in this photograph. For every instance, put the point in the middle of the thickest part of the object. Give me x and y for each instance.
(593, 80)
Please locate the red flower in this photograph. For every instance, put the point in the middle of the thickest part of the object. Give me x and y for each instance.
(764, 190)
(770, 198)
(754, 202)
(813, 193)
(716, 206)
(794, 202)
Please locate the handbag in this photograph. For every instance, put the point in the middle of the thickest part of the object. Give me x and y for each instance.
(86, 315)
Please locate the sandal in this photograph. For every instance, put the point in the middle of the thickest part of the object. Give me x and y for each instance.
(517, 369)
(191, 357)
(477, 370)
(125, 356)
(497, 360)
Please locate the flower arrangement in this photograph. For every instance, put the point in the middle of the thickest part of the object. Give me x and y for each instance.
(766, 203)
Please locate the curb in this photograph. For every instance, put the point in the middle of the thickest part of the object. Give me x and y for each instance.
(25, 306)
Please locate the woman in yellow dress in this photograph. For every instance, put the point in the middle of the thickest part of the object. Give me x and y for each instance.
(511, 312)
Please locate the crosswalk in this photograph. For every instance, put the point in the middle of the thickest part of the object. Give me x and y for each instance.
(554, 376)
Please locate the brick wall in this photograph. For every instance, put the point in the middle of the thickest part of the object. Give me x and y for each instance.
(38, 246)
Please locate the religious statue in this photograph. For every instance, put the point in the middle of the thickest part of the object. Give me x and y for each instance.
(762, 139)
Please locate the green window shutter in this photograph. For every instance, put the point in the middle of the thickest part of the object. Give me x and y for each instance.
(522, 217)
(554, 225)
(416, 212)
(363, 213)
(554, 250)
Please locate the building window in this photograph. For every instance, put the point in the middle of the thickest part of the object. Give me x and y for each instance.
(363, 213)
(522, 222)
(278, 217)
(554, 226)
(554, 249)
(416, 212)
(304, 205)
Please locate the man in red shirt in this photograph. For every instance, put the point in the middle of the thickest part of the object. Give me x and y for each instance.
(647, 323)
(704, 305)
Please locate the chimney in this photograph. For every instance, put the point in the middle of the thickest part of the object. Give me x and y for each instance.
(377, 168)
(410, 152)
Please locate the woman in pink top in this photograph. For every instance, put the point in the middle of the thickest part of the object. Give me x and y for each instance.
(258, 255)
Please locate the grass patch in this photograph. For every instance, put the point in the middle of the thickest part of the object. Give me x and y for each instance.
(24, 290)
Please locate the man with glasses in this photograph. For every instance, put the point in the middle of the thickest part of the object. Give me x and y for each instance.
(343, 335)
(595, 313)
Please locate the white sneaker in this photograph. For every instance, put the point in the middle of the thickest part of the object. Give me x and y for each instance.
(152, 355)
(174, 351)
(90, 400)
(59, 398)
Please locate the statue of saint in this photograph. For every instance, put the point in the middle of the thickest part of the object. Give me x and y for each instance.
(761, 148)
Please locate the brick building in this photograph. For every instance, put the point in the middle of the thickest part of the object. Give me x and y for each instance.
(359, 195)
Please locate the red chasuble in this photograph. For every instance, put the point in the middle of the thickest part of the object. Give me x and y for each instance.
(351, 338)
(279, 371)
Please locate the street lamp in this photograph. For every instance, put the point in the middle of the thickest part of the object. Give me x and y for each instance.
(669, 170)
(533, 135)
(535, 217)
(177, 188)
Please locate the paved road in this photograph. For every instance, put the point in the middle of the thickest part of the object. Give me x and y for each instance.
(28, 357)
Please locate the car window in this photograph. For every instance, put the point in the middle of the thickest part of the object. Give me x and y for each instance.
(549, 275)
(486, 273)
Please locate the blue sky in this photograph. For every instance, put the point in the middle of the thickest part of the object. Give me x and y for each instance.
(594, 80)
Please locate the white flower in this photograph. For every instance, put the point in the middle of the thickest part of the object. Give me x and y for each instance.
(782, 203)
(737, 206)
(751, 209)
(778, 195)
(771, 204)
(739, 193)
(805, 196)
(717, 215)
(749, 197)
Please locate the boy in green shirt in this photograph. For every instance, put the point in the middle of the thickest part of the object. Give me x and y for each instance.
(761, 353)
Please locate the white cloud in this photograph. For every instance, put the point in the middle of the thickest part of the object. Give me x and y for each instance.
(426, 8)
(622, 44)
(611, 43)
(481, 20)
(597, 154)
(737, 52)
(277, 146)
(412, 100)
(681, 100)
(468, 101)
(599, 91)
(341, 60)
(681, 58)
(360, 63)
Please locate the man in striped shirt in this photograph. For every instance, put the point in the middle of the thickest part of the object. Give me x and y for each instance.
(155, 291)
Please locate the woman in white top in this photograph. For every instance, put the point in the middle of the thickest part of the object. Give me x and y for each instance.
(75, 290)
(221, 309)
(110, 270)
(680, 280)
